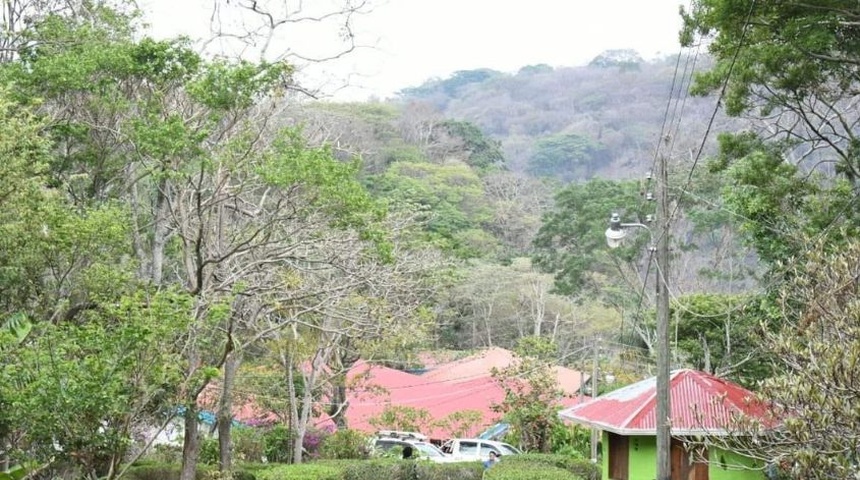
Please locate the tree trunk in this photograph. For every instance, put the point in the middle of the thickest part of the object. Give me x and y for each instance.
(160, 234)
(191, 443)
(225, 412)
(337, 410)
(294, 411)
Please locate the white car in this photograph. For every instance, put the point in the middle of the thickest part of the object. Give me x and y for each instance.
(477, 448)
(422, 449)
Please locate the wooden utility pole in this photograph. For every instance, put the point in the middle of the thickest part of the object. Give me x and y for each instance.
(663, 421)
(594, 375)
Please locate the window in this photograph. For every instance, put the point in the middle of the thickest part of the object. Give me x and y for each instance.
(469, 449)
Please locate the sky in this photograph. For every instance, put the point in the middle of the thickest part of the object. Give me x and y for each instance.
(406, 42)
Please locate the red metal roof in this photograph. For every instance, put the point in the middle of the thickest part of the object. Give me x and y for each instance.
(450, 387)
(700, 404)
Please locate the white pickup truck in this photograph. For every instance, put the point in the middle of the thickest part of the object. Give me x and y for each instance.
(476, 448)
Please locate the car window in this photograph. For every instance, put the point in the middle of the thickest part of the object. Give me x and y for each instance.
(428, 450)
(387, 444)
(508, 449)
(469, 449)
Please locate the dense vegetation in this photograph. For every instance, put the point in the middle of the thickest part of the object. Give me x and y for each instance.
(178, 232)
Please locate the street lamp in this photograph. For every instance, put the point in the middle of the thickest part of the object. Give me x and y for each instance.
(617, 231)
(614, 235)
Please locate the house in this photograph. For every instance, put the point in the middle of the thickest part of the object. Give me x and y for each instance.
(444, 388)
(702, 405)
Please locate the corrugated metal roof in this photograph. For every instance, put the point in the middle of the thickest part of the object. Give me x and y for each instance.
(700, 404)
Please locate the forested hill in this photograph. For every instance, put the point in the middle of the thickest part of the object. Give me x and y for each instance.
(574, 123)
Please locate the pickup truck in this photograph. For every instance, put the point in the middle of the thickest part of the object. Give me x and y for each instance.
(477, 448)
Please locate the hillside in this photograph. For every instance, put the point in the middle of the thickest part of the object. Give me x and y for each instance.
(574, 123)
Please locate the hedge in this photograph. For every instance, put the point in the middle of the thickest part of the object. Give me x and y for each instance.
(583, 469)
(170, 471)
(527, 472)
(388, 469)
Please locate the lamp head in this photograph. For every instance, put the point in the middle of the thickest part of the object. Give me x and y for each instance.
(615, 233)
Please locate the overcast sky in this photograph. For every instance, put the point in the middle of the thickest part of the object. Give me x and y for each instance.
(414, 40)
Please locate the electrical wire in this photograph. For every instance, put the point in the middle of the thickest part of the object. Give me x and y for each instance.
(716, 110)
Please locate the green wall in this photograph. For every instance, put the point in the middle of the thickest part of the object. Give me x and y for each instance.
(643, 465)
(730, 466)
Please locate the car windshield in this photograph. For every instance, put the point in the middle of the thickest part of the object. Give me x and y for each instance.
(508, 449)
(428, 449)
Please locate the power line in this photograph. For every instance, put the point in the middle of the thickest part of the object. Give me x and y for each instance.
(717, 105)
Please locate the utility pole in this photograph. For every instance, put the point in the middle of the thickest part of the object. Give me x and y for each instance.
(614, 236)
(594, 376)
(663, 420)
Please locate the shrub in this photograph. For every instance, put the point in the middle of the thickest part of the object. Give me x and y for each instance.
(582, 468)
(163, 454)
(371, 469)
(303, 471)
(412, 470)
(345, 444)
(165, 471)
(248, 444)
(277, 445)
(528, 472)
(313, 441)
(209, 451)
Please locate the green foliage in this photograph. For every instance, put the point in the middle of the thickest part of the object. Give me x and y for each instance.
(483, 152)
(571, 242)
(567, 157)
(571, 441)
(451, 196)
(453, 85)
(209, 451)
(722, 334)
(813, 390)
(624, 59)
(581, 468)
(402, 418)
(387, 469)
(336, 189)
(532, 394)
(503, 471)
(169, 471)
(304, 471)
(792, 48)
(16, 472)
(779, 204)
(227, 86)
(278, 444)
(460, 423)
(345, 444)
(79, 385)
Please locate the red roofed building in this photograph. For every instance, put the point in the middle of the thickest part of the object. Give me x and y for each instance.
(456, 386)
(701, 405)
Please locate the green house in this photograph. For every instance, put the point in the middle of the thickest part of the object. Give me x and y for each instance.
(701, 406)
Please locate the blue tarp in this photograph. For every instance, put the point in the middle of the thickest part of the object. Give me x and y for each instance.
(205, 416)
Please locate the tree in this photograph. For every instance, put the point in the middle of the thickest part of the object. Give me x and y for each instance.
(721, 335)
(791, 63)
(813, 393)
(567, 157)
(451, 199)
(571, 242)
(532, 394)
(216, 201)
(624, 59)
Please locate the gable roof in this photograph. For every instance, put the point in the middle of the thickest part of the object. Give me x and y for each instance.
(700, 404)
(465, 384)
